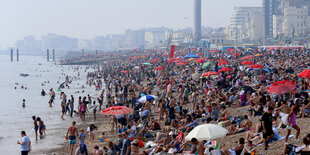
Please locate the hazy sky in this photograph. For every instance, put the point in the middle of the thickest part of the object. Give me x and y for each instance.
(88, 18)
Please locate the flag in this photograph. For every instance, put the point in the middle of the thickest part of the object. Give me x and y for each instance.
(172, 51)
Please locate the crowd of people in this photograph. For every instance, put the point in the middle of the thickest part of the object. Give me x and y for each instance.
(188, 95)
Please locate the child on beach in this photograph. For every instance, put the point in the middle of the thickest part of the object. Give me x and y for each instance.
(102, 137)
(82, 137)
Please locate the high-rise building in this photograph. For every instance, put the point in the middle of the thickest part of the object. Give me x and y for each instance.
(135, 38)
(197, 20)
(270, 8)
(245, 24)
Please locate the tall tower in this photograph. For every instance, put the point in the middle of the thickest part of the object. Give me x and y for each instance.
(197, 20)
(270, 8)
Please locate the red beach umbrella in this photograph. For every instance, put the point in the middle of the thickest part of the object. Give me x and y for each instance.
(223, 63)
(210, 74)
(281, 87)
(247, 57)
(200, 53)
(247, 63)
(225, 70)
(200, 61)
(213, 51)
(305, 74)
(170, 60)
(116, 110)
(220, 60)
(159, 68)
(256, 66)
(124, 71)
(236, 54)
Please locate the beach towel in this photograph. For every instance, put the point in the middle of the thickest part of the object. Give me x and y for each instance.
(281, 138)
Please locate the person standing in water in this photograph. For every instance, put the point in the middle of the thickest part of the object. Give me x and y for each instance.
(71, 106)
(36, 127)
(24, 103)
(72, 133)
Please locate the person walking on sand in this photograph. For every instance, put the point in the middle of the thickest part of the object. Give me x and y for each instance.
(292, 122)
(25, 143)
(267, 126)
(72, 133)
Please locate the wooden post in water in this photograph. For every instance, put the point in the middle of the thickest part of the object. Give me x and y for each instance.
(11, 54)
(48, 54)
(17, 55)
(53, 54)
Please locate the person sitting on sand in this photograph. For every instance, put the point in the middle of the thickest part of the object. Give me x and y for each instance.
(98, 151)
(82, 150)
(237, 150)
(303, 150)
(233, 129)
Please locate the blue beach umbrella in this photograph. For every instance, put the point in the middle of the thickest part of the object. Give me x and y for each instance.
(147, 98)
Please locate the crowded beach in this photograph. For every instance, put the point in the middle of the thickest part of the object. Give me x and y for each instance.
(153, 102)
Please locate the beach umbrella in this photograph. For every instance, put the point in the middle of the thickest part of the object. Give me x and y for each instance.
(205, 65)
(159, 68)
(256, 66)
(223, 63)
(305, 74)
(147, 98)
(153, 61)
(191, 59)
(259, 55)
(281, 87)
(247, 63)
(210, 74)
(180, 64)
(200, 54)
(147, 63)
(124, 71)
(207, 132)
(214, 51)
(170, 60)
(247, 57)
(267, 70)
(228, 77)
(200, 61)
(236, 54)
(137, 67)
(225, 70)
(116, 110)
(220, 60)
(191, 55)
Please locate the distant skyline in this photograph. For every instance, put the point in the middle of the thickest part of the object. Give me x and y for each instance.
(85, 19)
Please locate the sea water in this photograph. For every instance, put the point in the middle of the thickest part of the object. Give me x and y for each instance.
(14, 118)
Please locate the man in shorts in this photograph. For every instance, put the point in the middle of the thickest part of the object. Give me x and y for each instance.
(72, 133)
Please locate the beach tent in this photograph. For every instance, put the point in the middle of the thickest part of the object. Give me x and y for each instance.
(191, 55)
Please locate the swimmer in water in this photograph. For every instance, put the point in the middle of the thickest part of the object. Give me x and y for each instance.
(24, 103)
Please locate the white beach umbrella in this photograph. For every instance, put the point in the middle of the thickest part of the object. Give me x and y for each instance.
(207, 132)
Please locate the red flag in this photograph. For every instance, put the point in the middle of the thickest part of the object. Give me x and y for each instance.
(172, 51)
